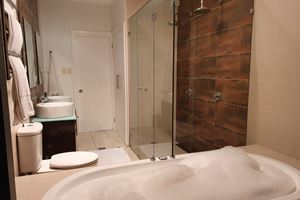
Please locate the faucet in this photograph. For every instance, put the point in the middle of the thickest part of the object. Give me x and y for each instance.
(42, 99)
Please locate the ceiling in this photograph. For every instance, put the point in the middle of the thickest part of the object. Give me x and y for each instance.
(94, 1)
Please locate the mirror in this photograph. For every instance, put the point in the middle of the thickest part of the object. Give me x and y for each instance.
(30, 54)
(39, 54)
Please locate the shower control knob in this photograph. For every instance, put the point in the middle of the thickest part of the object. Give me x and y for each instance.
(80, 91)
(189, 92)
(217, 96)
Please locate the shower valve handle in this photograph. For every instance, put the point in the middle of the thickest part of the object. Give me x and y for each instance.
(217, 96)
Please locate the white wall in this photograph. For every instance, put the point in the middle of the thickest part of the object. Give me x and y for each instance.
(57, 19)
(118, 10)
(274, 104)
(132, 6)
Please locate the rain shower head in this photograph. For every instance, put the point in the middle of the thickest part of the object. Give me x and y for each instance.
(202, 9)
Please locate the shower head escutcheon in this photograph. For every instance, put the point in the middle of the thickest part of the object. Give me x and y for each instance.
(202, 9)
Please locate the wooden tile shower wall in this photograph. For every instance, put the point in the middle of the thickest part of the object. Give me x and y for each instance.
(213, 54)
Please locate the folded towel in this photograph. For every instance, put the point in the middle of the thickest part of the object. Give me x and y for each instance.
(15, 39)
(24, 107)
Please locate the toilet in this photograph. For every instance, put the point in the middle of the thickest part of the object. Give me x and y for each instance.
(30, 152)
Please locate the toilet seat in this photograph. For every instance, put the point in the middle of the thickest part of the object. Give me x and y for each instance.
(72, 160)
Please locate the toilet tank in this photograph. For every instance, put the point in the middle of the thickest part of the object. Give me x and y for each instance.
(30, 147)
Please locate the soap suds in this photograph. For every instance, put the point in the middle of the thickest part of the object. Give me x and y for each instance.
(227, 174)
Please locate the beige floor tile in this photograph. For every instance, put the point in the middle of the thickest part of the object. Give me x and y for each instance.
(102, 140)
(116, 140)
(84, 142)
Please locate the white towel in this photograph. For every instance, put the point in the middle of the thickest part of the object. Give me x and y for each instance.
(24, 107)
(54, 86)
(15, 39)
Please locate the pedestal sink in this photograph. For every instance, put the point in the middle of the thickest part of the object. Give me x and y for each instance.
(55, 109)
(59, 99)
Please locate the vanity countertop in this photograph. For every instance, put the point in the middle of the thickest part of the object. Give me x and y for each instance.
(69, 118)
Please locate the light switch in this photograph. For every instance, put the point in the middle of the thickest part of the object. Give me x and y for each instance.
(64, 70)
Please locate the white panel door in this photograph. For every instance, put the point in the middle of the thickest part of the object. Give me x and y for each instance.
(119, 77)
(93, 81)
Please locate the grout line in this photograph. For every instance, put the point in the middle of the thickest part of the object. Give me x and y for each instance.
(91, 135)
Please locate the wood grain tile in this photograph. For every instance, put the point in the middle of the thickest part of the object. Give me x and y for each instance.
(206, 46)
(215, 57)
(185, 68)
(233, 66)
(185, 30)
(205, 24)
(184, 102)
(184, 10)
(234, 91)
(204, 67)
(194, 146)
(183, 84)
(235, 40)
(236, 12)
(204, 89)
(203, 131)
(204, 110)
(184, 117)
(185, 49)
(224, 137)
(231, 117)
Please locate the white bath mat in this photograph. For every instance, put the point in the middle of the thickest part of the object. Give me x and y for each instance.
(112, 156)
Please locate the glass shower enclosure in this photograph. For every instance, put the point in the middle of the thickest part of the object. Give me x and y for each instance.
(151, 79)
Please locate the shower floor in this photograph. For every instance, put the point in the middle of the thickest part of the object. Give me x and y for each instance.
(160, 149)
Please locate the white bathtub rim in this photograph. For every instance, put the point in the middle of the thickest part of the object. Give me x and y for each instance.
(59, 187)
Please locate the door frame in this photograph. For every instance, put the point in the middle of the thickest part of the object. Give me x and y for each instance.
(126, 75)
(86, 33)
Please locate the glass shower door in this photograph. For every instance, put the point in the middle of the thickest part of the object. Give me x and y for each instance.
(151, 79)
(141, 81)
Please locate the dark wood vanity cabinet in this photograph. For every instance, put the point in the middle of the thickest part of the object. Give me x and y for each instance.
(58, 137)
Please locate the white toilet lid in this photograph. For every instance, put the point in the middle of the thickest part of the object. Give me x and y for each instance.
(73, 159)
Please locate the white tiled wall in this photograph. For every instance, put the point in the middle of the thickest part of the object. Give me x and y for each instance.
(274, 103)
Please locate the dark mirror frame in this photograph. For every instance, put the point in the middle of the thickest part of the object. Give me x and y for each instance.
(38, 59)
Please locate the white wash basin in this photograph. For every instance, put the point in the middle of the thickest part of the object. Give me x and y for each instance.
(59, 99)
(55, 109)
(206, 175)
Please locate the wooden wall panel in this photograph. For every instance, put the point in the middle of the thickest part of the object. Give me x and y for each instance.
(213, 56)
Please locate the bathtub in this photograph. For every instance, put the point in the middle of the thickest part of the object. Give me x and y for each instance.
(227, 174)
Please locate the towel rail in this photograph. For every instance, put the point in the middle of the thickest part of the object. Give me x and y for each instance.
(14, 54)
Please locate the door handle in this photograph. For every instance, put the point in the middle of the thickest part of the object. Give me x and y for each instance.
(80, 91)
(217, 96)
(139, 88)
(117, 81)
